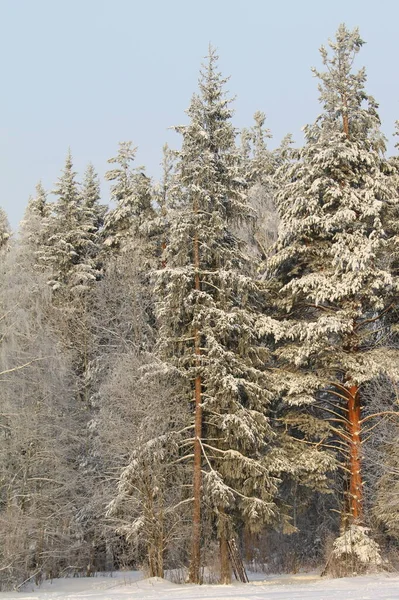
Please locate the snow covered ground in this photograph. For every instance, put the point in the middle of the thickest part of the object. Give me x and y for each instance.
(132, 586)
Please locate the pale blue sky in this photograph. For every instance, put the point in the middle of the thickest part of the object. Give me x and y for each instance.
(90, 73)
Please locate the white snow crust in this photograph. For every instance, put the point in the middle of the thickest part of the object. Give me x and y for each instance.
(133, 586)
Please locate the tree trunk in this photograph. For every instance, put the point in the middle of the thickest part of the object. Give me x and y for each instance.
(355, 478)
(248, 543)
(345, 116)
(160, 544)
(194, 574)
(225, 570)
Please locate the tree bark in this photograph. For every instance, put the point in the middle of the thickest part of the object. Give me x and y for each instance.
(248, 542)
(194, 573)
(345, 117)
(355, 477)
(225, 569)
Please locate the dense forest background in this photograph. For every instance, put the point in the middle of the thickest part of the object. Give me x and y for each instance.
(213, 359)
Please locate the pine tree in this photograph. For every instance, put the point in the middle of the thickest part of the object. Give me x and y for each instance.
(206, 315)
(333, 287)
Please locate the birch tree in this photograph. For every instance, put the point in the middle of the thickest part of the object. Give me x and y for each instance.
(39, 445)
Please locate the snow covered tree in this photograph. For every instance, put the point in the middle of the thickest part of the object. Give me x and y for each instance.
(386, 504)
(380, 454)
(93, 211)
(38, 204)
(382, 457)
(163, 198)
(206, 315)
(71, 253)
(333, 287)
(70, 238)
(130, 231)
(92, 218)
(32, 226)
(138, 429)
(131, 243)
(123, 333)
(4, 230)
(259, 166)
(259, 160)
(168, 166)
(131, 191)
(40, 486)
(391, 227)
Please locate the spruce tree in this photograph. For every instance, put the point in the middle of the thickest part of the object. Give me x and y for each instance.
(92, 220)
(69, 238)
(38, 204)
(259, 166)
(32, 227)
(163, 199)
(131, 191)
(333, 286)
(91, 197)
(206, 315)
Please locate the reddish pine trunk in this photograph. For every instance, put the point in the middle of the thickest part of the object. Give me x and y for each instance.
(354, 425)
(355, 478)
(345, 120)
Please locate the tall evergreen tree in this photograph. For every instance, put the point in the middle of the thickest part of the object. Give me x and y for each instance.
(69, 241)
(333, 285)
(206, 313)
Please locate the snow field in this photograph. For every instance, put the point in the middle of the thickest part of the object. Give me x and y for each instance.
(132, 586)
